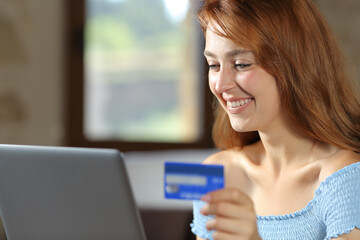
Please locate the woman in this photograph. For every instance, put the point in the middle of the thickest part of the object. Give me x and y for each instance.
(287, 122)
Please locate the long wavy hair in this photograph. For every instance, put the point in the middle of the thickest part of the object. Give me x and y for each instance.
(291, 41)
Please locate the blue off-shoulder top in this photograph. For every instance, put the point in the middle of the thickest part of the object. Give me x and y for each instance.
(334, 210)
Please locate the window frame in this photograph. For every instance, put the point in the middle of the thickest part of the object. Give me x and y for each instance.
(74, 92)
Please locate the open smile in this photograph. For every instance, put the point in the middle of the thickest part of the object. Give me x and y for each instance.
(238, 103)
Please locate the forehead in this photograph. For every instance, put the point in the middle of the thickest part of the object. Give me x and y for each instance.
(214, 37)
(217, 45)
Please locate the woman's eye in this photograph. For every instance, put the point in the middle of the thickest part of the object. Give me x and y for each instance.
(214, 66)
(242, 66)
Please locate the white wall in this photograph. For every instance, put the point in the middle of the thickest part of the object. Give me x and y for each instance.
(146, 174)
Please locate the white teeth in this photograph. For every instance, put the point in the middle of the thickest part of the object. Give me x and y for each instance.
(235, 104)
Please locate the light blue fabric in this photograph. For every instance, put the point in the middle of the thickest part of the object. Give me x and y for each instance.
(334, 210)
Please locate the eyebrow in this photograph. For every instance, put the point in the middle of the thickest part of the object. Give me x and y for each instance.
(229, 54)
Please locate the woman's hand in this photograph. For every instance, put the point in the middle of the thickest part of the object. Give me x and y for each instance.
(235, 217)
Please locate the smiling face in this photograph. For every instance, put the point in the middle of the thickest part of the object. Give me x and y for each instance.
(246, 91)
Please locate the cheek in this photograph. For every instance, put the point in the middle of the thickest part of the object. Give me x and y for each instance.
(249, 81)
(212, 84)
(259, 84)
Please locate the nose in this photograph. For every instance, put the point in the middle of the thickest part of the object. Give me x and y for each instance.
(225, 80)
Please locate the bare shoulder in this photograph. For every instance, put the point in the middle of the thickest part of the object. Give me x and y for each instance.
(224, 157)
(340, 160)
(353, 235)
(235, 162)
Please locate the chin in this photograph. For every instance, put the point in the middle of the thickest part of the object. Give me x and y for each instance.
(240, 127)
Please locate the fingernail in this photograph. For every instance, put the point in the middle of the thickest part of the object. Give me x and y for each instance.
(210, 224)
(204, 209)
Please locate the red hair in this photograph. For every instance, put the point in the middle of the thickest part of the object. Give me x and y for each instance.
(292, 42)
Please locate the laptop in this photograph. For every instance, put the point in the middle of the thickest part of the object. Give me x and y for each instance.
(66, 193)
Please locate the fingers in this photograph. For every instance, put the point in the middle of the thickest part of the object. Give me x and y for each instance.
(230, 229)
(225, 209)
(223, 225)
(234, 212)
(222, 236)
(227, 194)
(227, 202)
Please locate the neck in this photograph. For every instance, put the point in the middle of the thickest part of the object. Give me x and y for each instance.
(285, 149)
(285, 146)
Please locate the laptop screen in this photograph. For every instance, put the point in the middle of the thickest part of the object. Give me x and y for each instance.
(66, 193)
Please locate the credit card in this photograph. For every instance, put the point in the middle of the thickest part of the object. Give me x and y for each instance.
(190, 181)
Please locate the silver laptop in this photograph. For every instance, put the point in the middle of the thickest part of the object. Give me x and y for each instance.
(64, 193)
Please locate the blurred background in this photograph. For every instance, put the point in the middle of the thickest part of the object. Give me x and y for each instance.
(126, 74)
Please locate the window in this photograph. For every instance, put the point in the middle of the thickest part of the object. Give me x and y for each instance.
(136, 75)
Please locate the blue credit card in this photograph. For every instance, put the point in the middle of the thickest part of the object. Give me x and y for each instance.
(191, 181)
